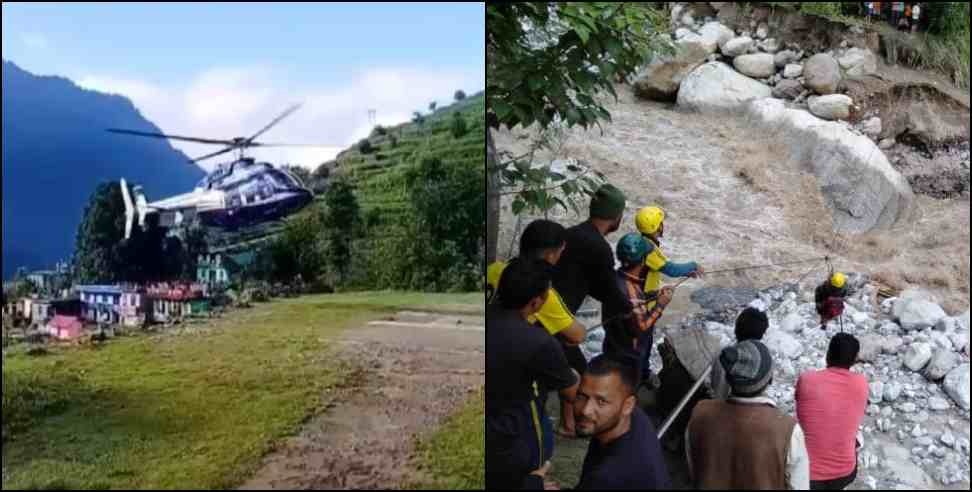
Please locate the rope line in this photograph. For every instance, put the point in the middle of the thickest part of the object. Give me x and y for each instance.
(771, 265)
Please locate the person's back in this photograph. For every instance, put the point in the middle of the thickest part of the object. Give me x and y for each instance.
(739, 446)
(632, 462)
(830, 407)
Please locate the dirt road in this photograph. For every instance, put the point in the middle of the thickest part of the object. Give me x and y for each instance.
(411, 371)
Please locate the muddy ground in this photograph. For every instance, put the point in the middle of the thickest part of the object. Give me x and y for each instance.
(411, 372)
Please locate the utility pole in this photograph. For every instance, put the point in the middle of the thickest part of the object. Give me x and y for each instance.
(372, 116)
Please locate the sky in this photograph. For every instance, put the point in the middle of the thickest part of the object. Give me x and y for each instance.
(224, 70)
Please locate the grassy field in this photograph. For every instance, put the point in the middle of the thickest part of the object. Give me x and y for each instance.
(454, 458)
(181, 411)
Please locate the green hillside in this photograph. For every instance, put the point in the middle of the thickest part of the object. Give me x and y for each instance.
(378, 175)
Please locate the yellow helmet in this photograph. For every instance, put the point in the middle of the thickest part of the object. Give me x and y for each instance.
(649, 219)
(838, 280)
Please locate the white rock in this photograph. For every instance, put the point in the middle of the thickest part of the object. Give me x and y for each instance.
(785, 57)
(917, 431)
(783, 344)
(963, 320)
(661, 79)
(906, 297)
(858, 62)
(917, 356)
(942, 341)
(876, 393)
(938, 404)
(959, 341)
(682, 32)
(831, 107)
(737, 46)
(872, 127)
(762, 31)
(886, 144)
(873, 410)
(771, 46)
(757, 66)
(957, 386)
(717, 87)
(948, 439)
(947, 325)
(870, 348)
(892, 391)
(907, 407)
(860, 186)
(822, 74)
(891, 345)
(920, 314)
(712, 35)
(793, 71)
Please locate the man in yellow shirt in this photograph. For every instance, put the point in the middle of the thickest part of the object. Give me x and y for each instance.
(546, 240)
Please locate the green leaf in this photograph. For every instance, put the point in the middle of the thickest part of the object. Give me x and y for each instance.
(582, 33)
(502, 110)
(518, 206)
(535, 81)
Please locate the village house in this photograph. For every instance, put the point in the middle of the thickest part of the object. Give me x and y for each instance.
(101, 303)
(171, 302)
(134, 307)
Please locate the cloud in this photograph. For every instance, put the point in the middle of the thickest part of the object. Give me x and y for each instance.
(227, 102)
(35, 41)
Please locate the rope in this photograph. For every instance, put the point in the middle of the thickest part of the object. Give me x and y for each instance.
(771, 265)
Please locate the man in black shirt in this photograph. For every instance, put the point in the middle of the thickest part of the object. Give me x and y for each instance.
(624, 453)
(587, 268)
(520, 358)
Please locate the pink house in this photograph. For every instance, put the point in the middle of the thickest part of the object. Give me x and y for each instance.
(65, 327)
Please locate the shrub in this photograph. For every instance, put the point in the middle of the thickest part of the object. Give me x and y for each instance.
(459, 128)
(380, 130)
(365, 147)
(459, 95)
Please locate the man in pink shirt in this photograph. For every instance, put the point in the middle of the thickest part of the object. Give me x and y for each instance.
(830, 408)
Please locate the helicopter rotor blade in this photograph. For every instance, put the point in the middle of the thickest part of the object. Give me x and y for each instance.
(214, 154)
(171, 137)
(276, 120)
(258, 144)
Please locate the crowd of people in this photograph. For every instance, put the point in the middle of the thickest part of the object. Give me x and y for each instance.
(904, 16)
(733, 438)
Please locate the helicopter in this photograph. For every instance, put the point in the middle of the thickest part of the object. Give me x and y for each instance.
(237, 194)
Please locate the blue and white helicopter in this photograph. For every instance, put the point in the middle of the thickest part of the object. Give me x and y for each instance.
(236, 195)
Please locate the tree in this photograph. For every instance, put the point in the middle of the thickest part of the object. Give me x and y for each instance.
(432, 106)
(297, 251)
(459, 95)
(418, 119)
(547, 63)
(196, 243)
(301, 173)
(365, 147)
(341, 220)
(459, 128)
(99, 237)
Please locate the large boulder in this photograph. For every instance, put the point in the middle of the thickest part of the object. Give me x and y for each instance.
(858, 62)
(963, 321)
(957, 385)
(917, 356)
(788, 89)
(920, 314)
(737, 46)
(941, 364)
(759, 66)
(710, 37)
(716, 33)
(832, 107)
(822, 74)
(859, 185)
(907, 297)
(660, 80)
(717, 87)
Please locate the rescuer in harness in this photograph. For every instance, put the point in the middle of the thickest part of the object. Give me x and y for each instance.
(651, 224)
(830, 297)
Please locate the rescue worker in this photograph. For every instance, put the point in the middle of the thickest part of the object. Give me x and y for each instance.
(651, 224)
(587, 268)
(829, 297)
(545, 240)
(631, 338)
(520, 358)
